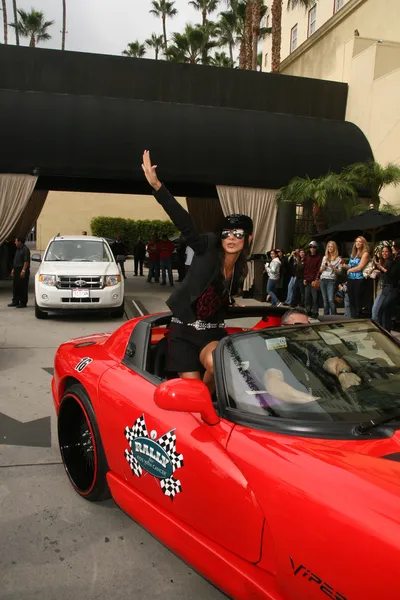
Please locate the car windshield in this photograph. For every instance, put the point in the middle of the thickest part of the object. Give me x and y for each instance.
(78, 251)
(329, 372)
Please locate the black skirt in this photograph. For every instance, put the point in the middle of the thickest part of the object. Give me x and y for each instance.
(185, 344)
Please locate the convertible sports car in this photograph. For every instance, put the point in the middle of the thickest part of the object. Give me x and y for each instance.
(284, 486)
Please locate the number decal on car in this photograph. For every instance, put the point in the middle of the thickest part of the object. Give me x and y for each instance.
(158, 457)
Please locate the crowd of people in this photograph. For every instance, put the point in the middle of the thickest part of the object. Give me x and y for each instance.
(159, 254)
(322, 277)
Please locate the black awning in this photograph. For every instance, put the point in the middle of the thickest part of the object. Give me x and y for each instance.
(93, 141)
(372, 223)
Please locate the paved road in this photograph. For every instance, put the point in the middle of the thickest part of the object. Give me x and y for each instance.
(54, 544)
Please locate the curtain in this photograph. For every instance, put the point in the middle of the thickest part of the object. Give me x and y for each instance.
(15, 191)
(30, 214)
(260, 205)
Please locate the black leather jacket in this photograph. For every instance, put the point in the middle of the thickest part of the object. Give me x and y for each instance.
(206, 264)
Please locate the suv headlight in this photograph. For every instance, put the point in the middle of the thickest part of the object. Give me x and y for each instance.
(47, 279)
(112, 279)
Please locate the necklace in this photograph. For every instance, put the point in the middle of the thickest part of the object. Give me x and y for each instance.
(231, 283)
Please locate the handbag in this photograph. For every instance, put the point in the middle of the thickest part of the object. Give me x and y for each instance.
(316, 284)
(368, 269)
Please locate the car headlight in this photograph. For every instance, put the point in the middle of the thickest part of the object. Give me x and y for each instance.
(112, 279)
(47, 279)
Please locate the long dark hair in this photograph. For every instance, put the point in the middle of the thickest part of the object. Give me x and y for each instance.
(241, 268)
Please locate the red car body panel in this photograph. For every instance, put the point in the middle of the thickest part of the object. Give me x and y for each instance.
(262, 515)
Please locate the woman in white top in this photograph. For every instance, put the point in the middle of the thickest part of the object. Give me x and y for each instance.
(330, 267)
(273, 269)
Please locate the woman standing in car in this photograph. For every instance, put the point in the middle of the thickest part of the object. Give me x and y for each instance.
(199, 306)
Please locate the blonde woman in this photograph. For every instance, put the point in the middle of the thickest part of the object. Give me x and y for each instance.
(330, 267)
(355, 280)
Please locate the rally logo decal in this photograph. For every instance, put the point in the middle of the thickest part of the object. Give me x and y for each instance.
(83, 363)
(157, 457)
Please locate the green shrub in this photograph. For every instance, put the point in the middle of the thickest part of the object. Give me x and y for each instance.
(130, 230)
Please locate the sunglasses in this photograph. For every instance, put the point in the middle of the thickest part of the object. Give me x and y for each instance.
(238, 233)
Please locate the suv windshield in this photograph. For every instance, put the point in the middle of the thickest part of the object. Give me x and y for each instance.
(78, 251)
(329, 372)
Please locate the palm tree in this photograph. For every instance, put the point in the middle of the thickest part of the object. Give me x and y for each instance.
(227, 31)
(220, 59)
(135, 50)
(14, 3)
(205, 7)
(276, 13)
(188, 47)
(33, 26)
(254, 12)
(373, 177)
(5, 21)
(163, 9)
(156, 42)
(64, 25)
(318, 192)
(211, 31)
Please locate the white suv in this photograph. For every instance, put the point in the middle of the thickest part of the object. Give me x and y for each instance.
(78, 272)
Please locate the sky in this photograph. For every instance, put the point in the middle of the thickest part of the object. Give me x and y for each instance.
(103, 26)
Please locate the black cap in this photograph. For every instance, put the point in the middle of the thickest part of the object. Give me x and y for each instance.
(238, 222)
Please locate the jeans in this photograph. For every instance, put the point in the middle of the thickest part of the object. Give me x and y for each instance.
(385, 315)
(311, 299)
(347, 311)
(328, 287)
(138, 265)
(300, 290)
(122, 265)
(271, 290)
(355, 291)
(291, 291)
(154, 270)
(376, 307)
(166, 266)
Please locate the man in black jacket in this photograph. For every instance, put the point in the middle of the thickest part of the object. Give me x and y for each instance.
(139, 253)
(20, 274)
(119, 250)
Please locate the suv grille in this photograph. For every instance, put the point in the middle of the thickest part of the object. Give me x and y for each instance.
(84, 282)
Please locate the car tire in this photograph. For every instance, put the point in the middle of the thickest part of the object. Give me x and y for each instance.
(81, 447)
(119, 312)
(39, 313)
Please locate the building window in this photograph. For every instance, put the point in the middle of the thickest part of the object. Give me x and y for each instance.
(299, 212)
(337, 5)
(293, 38)
(312, 20)
(268, 21)
(266, 60)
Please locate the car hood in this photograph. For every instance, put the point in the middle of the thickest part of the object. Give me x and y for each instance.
(78, 268)
(367, 469)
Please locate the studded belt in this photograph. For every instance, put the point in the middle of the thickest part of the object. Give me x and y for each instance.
(199, 325)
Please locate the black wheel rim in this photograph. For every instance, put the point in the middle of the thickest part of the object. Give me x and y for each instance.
(77, 445)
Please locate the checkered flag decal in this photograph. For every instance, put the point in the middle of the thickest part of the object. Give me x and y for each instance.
(167, 442)
(139, 429)
(171, 486)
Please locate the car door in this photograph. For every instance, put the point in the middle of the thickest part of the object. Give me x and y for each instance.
(177, 462)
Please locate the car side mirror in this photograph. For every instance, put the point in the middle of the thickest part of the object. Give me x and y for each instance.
(36, 258)
(186, 395)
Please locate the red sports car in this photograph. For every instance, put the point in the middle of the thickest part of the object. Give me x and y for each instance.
(284, 486)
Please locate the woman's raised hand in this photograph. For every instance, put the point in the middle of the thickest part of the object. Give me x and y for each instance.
(150, 171)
